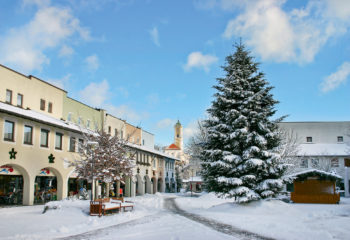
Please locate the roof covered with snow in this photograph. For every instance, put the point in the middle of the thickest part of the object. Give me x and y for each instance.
(40, 117)
(321, 149)
(314, 172)
(193, 179)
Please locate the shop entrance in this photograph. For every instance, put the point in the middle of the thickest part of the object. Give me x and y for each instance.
(11, 186)
(45, 187)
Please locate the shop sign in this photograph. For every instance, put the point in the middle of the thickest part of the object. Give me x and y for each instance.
(8, 170)
(45, 172)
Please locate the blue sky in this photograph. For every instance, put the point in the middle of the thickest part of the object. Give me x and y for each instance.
(153, 62)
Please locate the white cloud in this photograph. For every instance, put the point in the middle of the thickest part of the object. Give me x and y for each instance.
(190, 129)
(165, 123)
(66, 51)
(92, 63)
(295, 36)
(60, 82)
(198, 60)
(155, 36)
(95, 94)
(333, 81)
(24, 47)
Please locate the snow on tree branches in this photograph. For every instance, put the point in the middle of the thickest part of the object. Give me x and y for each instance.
(241, 154)
(107, 158)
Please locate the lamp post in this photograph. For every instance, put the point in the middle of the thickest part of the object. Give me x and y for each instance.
(191, 182)
(91, 146)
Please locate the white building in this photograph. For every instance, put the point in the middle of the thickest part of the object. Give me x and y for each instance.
(321, 145)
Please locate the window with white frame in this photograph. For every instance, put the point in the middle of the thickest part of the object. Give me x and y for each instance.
(19, 100)
(340, 139)
(72, 144)
(8, 96)
(315, 163)
(304, 163)
(9, 131)
(44, 138)
(58, 141)
(28, 135)
(335, 162)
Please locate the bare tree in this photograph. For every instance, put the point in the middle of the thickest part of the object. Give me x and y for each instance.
(104, 157)
(289, 150)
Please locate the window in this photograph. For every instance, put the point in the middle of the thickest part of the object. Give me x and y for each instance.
(335, 162)
(304, 163)
(138, 141)
(9, 131)
(42, 104)
(44, 138)
(154, 163)
(109, 129)
(340, 139)
(72, 144)
(315, 163)
(58, 142)
(9, 96)
(308, 139)
(79, 120)
(69, 117)
(50, 107)
(116, 132)
(346, 162)
(121, 134)
(28, 135)
(88, 123)
(19, 100)
(81, 145)
(143, 141)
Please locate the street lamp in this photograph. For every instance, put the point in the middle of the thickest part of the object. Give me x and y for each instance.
(91, 145)
(191, 183)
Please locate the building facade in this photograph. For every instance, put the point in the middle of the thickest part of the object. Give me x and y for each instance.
(41, 130)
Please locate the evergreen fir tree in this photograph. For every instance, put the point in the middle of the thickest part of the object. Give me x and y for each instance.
(241, 154)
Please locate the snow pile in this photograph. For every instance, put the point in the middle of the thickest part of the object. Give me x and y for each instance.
(275, 218)
(69, 218)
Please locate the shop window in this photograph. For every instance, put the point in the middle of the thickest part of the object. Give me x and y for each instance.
(340, 139)
(42, 104)
(28, 135)
(309, 139)
(315, 163)
(58, 142)
(304, 163)
(9, 96)
(19, 100)
(9, 131)
(44, 138)
(346, 162)
(335, 162)
(49, 107)
(72, 144)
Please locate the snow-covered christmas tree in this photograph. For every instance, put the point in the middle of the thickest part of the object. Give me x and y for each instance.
(241, 155)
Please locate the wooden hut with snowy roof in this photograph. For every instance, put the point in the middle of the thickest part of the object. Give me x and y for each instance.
(315, 186)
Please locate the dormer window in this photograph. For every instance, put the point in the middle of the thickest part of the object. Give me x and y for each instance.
(309, 139)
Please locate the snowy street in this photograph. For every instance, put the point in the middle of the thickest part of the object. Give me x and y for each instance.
(170, 216)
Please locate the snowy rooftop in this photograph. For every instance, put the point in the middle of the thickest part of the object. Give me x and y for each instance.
(193, 179)
(36, 116)
(315, 171)
(321, 149)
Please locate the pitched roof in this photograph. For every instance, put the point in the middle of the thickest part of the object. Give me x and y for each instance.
(173, 146)
(323, 149)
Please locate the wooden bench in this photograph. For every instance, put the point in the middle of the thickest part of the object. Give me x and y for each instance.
(102, 206)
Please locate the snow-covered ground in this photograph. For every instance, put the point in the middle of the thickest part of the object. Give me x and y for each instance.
(150, 220)
(72, 217)
(275, 218)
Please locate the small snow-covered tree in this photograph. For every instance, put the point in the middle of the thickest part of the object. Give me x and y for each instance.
(104, 157)
(241, 155)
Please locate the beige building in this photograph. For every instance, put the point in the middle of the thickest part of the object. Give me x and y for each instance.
(40, 130)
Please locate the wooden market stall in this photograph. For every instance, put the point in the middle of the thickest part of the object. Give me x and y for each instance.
(315, 186)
